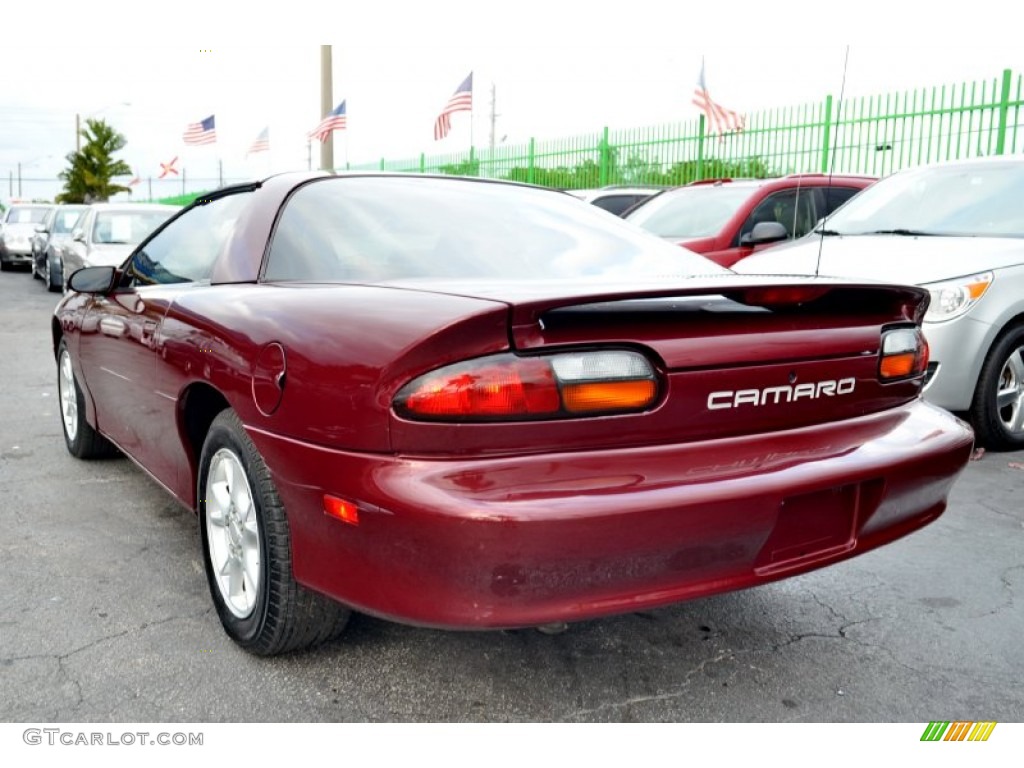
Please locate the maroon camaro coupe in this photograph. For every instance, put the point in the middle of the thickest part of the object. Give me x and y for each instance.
(473, 404)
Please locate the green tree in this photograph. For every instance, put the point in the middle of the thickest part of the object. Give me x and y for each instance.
(88, 177)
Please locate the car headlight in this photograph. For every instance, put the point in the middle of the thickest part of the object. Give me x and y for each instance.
(953, 298)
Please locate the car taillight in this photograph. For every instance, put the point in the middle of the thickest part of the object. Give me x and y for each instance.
(507, 387)
(904, 353)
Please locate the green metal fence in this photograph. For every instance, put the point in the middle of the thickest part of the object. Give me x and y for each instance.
(873, 135)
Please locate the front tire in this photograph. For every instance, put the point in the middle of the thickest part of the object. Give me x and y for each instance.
(247, 550)
(998, 409)
(82, 440)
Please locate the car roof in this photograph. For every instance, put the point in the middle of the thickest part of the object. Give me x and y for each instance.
(790, 180)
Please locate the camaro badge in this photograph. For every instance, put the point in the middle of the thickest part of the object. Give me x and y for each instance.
(786, 393)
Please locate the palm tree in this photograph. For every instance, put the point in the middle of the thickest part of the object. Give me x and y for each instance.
(87, 178)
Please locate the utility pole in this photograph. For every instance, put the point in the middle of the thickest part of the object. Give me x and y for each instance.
(494, 114)
(326, 105)
(78, 133)
(19, 179)
(220, 173)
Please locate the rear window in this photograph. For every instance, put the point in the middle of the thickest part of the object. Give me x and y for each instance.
(373, 229)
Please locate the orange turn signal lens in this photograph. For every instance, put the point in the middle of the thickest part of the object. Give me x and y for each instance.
(608, 395)
(897, 366)
(340, 509)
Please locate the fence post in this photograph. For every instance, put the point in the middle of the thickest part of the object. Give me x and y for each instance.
(826, 133)
(423, 162)
(700, 148)
(529, 164)
(603, 152)
(472, 160)
(382, 164)
(1004, 108)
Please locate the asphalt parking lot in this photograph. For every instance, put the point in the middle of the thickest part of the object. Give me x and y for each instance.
(106, 616)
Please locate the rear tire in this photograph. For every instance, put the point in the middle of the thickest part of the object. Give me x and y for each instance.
(997, 412)
(247, 550)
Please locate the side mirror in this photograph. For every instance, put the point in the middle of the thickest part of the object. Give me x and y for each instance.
(78, 235)
(41, 229)
(93, 280)
(765, 232)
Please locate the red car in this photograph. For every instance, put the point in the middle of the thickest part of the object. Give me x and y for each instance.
(726, 220)
(473, 404)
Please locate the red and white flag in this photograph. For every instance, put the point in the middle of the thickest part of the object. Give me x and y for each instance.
(460, 101)
(719, 119)
(167, 169)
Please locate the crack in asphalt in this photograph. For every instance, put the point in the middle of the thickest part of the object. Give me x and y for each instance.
(62, 658)
(724, 655)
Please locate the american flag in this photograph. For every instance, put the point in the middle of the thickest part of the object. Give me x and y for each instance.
(461, 101)
(718, 117)
(335, 120)
(262, 143)
(202, 132)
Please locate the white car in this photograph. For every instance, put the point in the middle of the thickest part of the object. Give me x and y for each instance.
(956, 229)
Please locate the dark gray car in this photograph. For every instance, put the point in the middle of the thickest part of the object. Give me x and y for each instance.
(47, 251)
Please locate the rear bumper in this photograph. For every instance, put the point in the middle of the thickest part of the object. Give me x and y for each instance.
(528, 540)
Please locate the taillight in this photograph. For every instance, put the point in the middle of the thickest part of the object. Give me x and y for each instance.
(507, 387)
(904, 354)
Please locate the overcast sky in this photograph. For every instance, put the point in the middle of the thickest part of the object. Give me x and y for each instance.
(558, 69)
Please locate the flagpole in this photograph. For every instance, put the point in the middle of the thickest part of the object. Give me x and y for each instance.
(700, 149)
(326, 106)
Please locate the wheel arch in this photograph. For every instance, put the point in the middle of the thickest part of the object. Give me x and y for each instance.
(198, 407)
(1014, 322)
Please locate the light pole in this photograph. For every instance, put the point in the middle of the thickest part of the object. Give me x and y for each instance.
(33, 161)
(78, 121)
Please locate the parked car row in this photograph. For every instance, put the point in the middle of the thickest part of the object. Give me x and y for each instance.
(55, 240)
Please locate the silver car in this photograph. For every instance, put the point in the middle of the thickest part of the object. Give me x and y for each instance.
(17, 226)
(956, 229)
(108, 232)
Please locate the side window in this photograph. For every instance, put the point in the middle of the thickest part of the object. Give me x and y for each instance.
(780, 207)
(186, 250)
(794, 209)
(836, 196)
